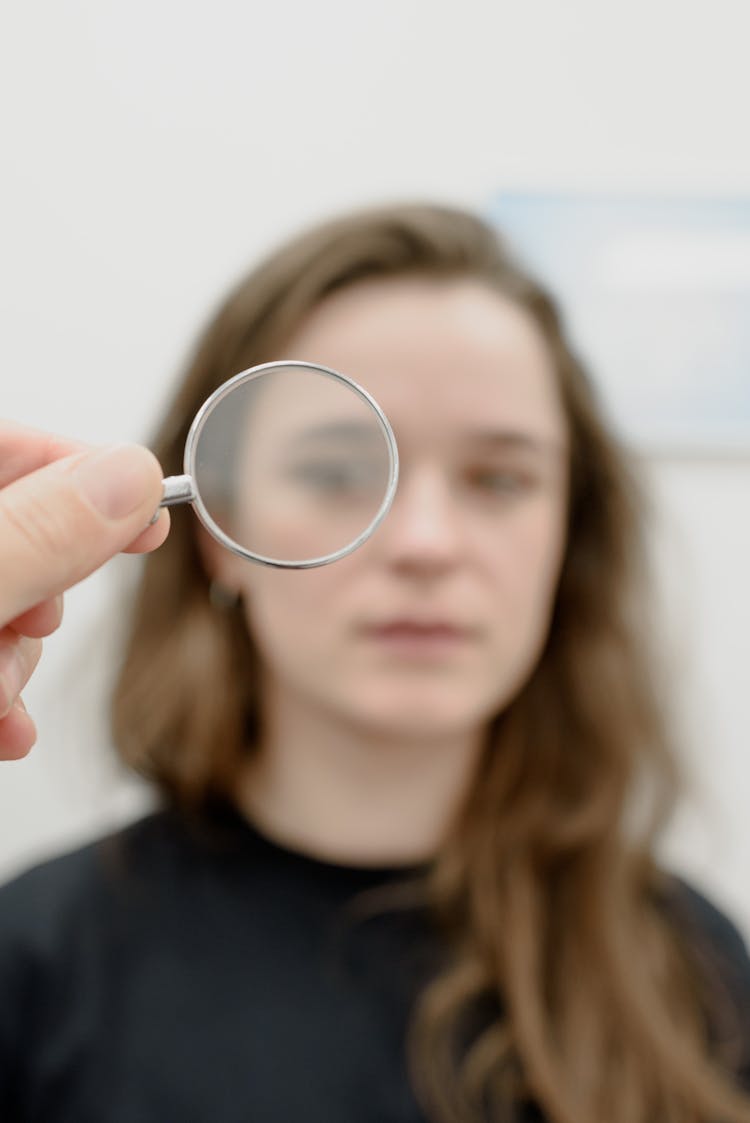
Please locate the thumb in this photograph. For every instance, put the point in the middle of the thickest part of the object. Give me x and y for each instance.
(60, 523)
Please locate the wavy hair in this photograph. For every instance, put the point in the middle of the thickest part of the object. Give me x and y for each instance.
(572, 982)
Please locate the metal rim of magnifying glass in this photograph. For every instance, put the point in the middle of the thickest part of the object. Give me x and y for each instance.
(250, 375)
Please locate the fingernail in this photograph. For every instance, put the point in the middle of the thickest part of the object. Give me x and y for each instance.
(115, 480)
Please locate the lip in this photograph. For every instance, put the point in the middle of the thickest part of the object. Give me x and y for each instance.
(418, 636)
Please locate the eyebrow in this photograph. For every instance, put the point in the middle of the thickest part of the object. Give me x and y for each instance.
(344, 431)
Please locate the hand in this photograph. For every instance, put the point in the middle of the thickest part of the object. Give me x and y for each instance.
(65, 509)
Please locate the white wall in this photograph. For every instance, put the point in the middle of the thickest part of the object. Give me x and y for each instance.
(152, 149)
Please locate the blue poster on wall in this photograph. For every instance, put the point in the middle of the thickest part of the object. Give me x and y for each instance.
(656, 296)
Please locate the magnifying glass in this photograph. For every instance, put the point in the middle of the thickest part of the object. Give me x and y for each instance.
(289, 464)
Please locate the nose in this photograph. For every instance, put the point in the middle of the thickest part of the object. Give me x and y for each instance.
(422, 531)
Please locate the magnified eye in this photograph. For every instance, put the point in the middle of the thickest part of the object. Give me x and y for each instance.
(336, 476)
(289, 464)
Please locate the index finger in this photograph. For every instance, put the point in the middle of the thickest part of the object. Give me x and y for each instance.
(23, 450)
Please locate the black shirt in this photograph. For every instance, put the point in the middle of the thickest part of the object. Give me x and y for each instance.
(169, 975)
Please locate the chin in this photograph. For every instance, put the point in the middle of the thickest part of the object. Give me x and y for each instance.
(421, 716)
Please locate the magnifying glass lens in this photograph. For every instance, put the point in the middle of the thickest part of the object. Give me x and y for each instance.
(292, 465)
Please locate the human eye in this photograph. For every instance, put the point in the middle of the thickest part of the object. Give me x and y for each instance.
(334, 476)
(501, 482)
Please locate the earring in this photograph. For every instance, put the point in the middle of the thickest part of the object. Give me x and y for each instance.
(221, 598)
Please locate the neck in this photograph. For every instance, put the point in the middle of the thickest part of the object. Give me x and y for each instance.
(352, 794)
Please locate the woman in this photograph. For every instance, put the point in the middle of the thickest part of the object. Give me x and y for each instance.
(402, 872)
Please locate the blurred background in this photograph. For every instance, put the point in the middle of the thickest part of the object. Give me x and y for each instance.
(151, 151)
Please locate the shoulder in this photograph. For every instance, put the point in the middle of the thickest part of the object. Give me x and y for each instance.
(66, 928)
(709, 929)
(719, 953)
(37, 906)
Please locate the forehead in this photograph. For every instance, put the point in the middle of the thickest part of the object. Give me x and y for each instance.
(440, 357)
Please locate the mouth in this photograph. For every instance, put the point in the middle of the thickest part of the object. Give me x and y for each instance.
(419, 637)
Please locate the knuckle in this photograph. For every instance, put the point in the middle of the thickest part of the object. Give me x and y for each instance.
(7, 697)
(12, 670)
(19, 657)
(30, 653)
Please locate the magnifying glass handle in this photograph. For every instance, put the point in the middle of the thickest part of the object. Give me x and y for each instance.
(178, 489)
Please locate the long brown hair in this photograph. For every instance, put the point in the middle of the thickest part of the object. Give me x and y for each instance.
(594, 1003)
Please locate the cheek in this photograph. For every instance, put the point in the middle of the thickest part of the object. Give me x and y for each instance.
(525, 577)
(529, 559)
(291, 613)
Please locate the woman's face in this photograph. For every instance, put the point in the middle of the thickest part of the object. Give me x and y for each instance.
(433, 625)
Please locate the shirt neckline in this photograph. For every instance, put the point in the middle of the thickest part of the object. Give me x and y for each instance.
(248, 834)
